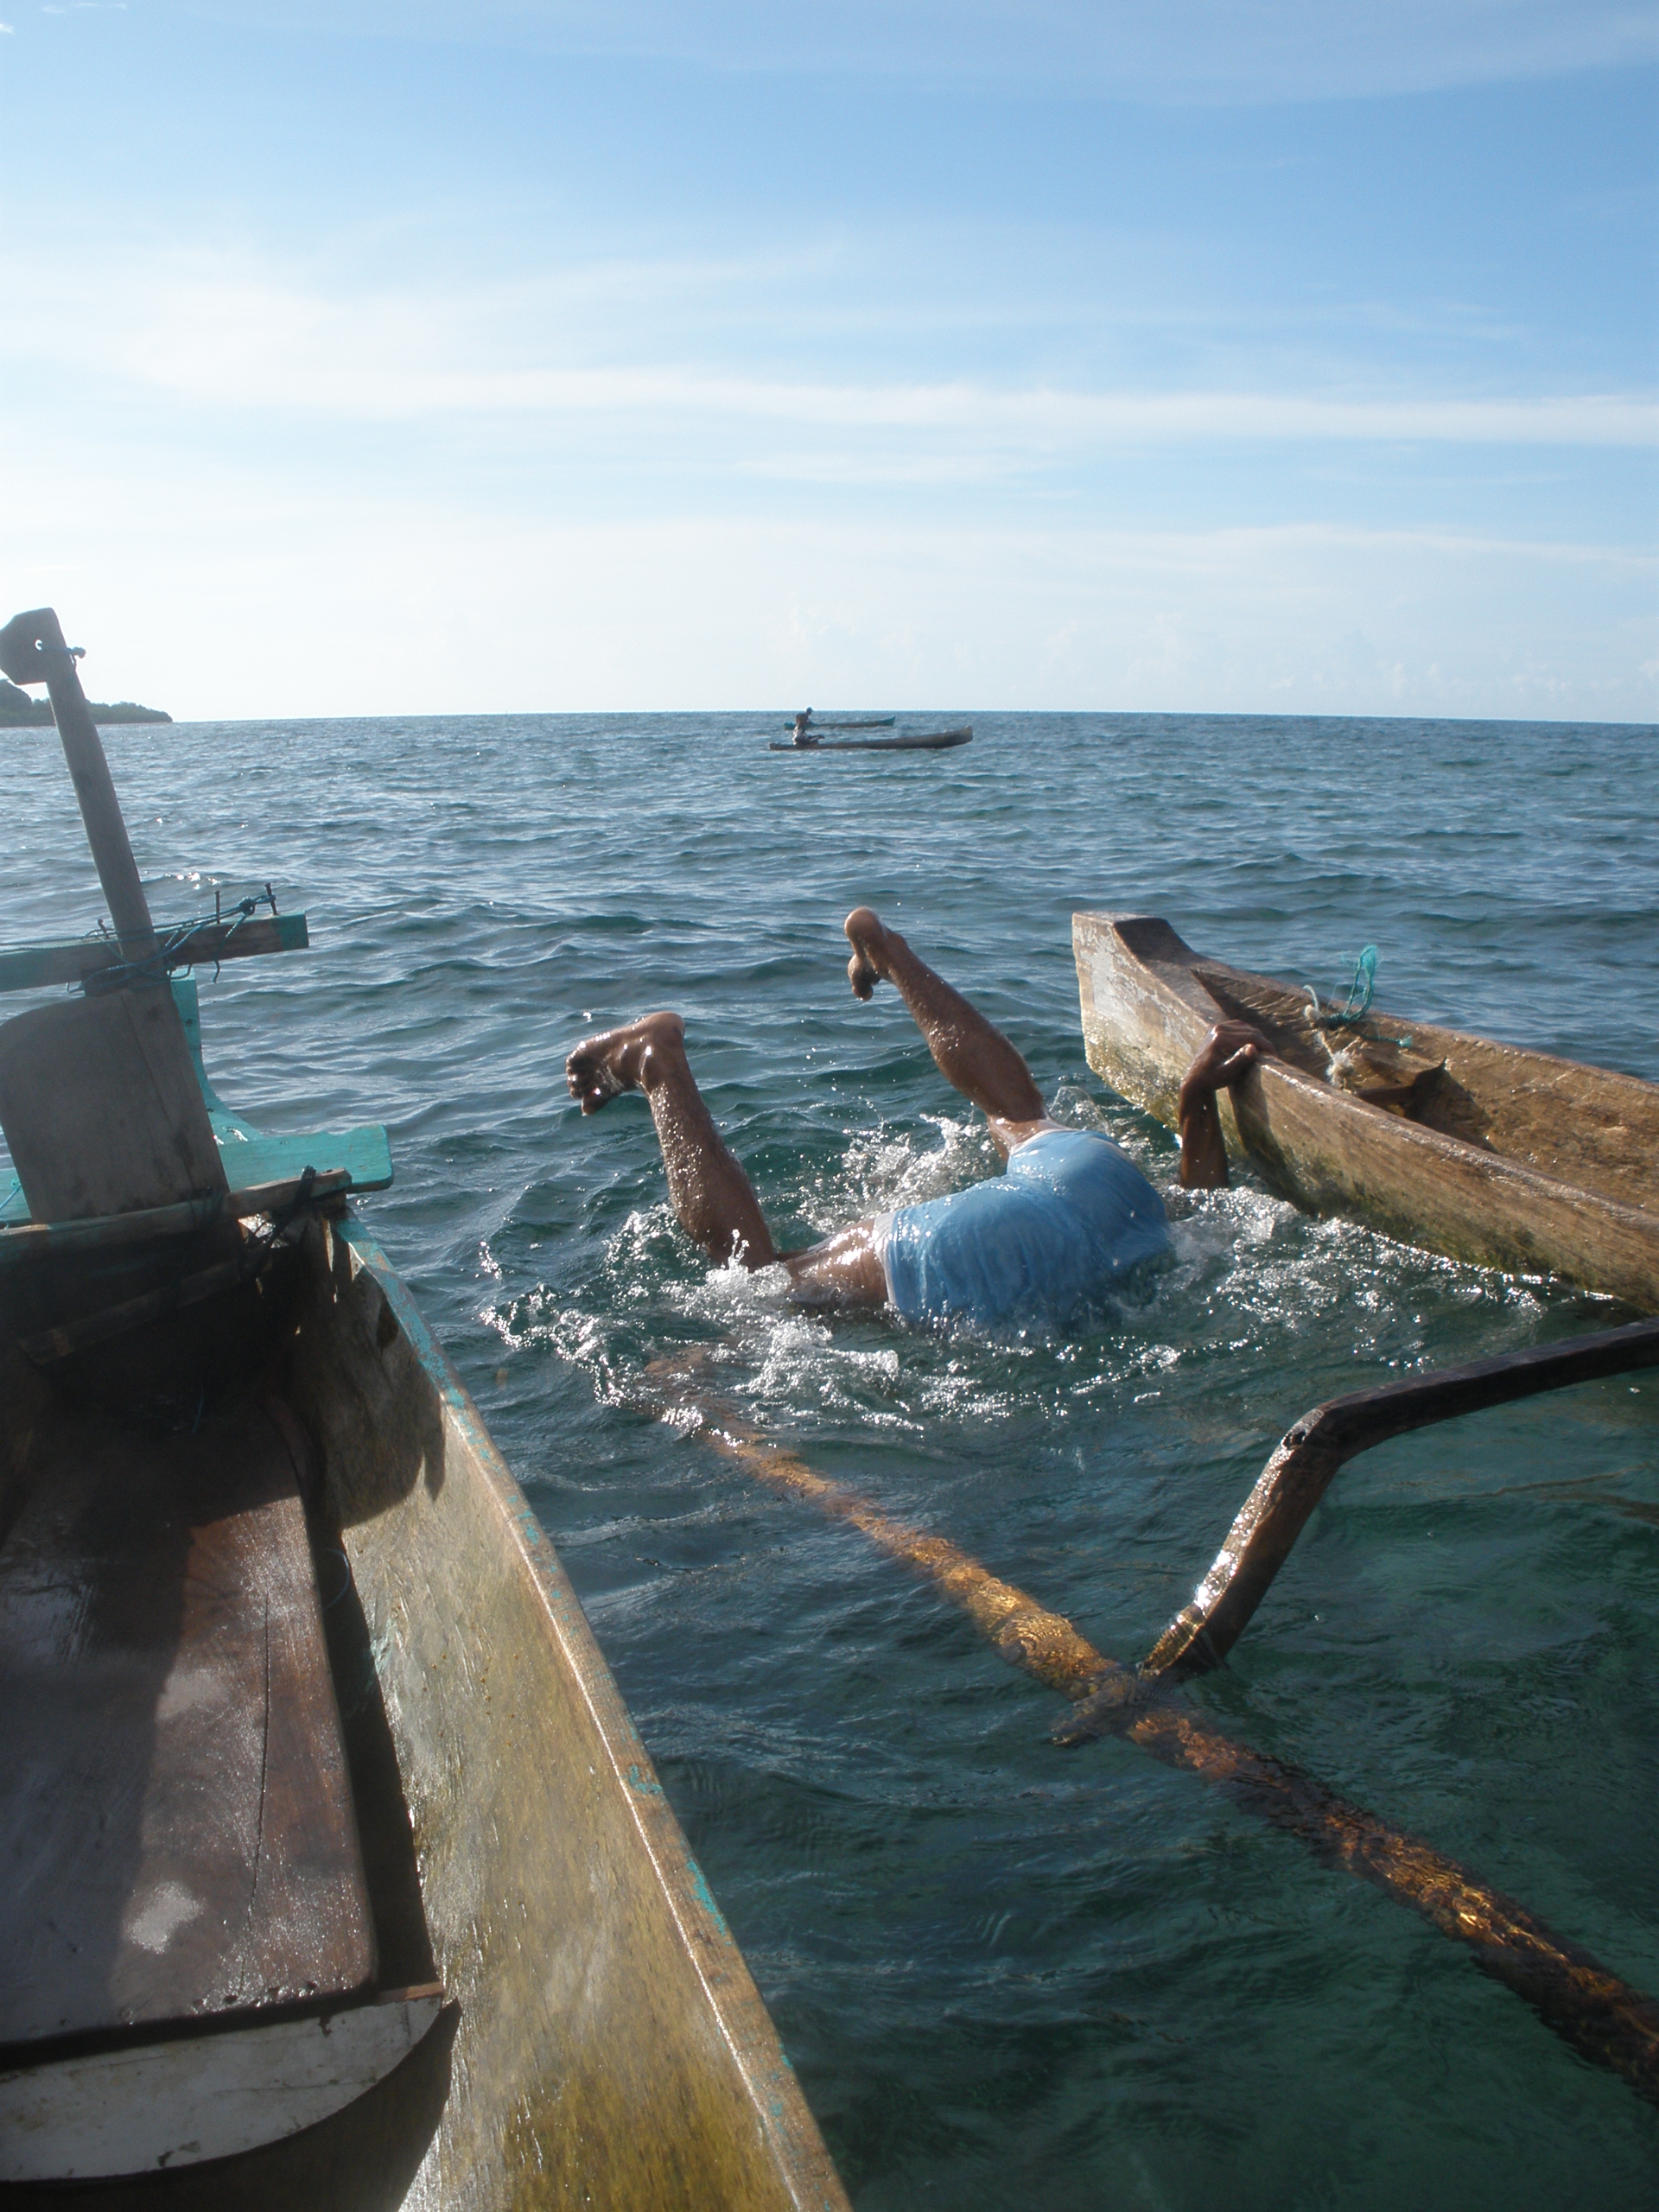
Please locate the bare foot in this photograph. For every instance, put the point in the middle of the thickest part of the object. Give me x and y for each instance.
(869, 941)
(601, 1068)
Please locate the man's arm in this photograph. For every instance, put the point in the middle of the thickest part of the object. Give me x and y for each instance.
(1228, 1054)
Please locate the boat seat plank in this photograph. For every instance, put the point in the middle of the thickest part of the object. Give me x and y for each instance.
(247, 1156)
(176, 1831)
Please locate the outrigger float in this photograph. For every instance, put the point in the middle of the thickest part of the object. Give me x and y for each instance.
(333, 1872)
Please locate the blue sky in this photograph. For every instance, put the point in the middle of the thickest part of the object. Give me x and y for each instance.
(1180, 354)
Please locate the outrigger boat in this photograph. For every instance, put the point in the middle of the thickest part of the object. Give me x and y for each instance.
(333, 1872)
(937, 741)
(1486, 1151)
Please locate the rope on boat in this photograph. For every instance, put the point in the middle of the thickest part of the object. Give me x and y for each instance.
(1356, 1005)
(1354, 1009)
(160, 963)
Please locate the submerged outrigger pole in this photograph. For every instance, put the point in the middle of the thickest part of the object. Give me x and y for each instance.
(1599, 2015)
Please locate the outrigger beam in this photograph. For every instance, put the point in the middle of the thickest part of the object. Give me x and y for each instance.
(1603, 2017)
(32, 650)
(1300, 1471)
(36, 967)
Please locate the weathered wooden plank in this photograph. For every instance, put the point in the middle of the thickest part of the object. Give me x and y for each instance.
(176, 1834)
(611, 2047)
(101, 1108)
(41, 967)
(256, 1156)
(1303, 1466)
(111, 1232)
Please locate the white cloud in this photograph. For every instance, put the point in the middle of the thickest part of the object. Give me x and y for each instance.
(225, 333)
(238, 592)
(1180, 50)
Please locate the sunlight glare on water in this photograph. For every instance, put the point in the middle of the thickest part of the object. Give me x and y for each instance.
(1007, 1975)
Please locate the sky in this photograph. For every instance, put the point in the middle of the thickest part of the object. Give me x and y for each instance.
(405, 356)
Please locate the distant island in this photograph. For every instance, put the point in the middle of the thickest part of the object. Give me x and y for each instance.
(16, 708)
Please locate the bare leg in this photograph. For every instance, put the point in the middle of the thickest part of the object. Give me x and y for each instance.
(712, 1197)
(971, 1053)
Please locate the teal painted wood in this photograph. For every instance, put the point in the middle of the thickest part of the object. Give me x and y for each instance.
(39, 967)
(253, 1155)
(366, 1154)
(250, 1156)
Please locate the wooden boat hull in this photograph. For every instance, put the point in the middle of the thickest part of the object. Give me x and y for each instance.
(938, 741)
(600, 2040)
(610, 2045)
(1537, 1165)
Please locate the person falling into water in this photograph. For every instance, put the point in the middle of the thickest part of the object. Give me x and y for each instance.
(1069, 1214)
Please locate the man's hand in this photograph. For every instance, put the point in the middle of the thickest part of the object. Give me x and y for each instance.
(1226, 1057)
(1229, 1051)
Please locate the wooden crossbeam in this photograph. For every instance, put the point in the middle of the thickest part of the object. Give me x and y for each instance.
(108, 1232)
(1601, 2017)
(36, 967)
(1302, 1468)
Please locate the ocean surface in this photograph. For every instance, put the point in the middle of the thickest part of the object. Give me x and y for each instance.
(1008, 1975)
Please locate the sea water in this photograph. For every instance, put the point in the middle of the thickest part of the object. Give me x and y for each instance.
(1008, 1975)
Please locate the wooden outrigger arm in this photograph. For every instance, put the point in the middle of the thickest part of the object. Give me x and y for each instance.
(1302, 1468)
(116, 1136)
(1601, 2015)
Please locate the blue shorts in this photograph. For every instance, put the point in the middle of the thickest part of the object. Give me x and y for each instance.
(1069, 1215)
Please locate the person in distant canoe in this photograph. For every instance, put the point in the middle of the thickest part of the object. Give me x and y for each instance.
(1071, 1213)
(805, 735)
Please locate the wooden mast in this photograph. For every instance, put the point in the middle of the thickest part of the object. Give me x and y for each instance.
(32, 650)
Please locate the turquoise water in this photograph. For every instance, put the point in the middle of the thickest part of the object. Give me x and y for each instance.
(1007, 1975)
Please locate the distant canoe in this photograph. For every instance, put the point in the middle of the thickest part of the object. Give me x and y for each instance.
(1511, 1158)
(938, 741)
(872, 722)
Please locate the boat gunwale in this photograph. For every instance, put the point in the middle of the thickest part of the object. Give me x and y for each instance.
(784, 2122)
